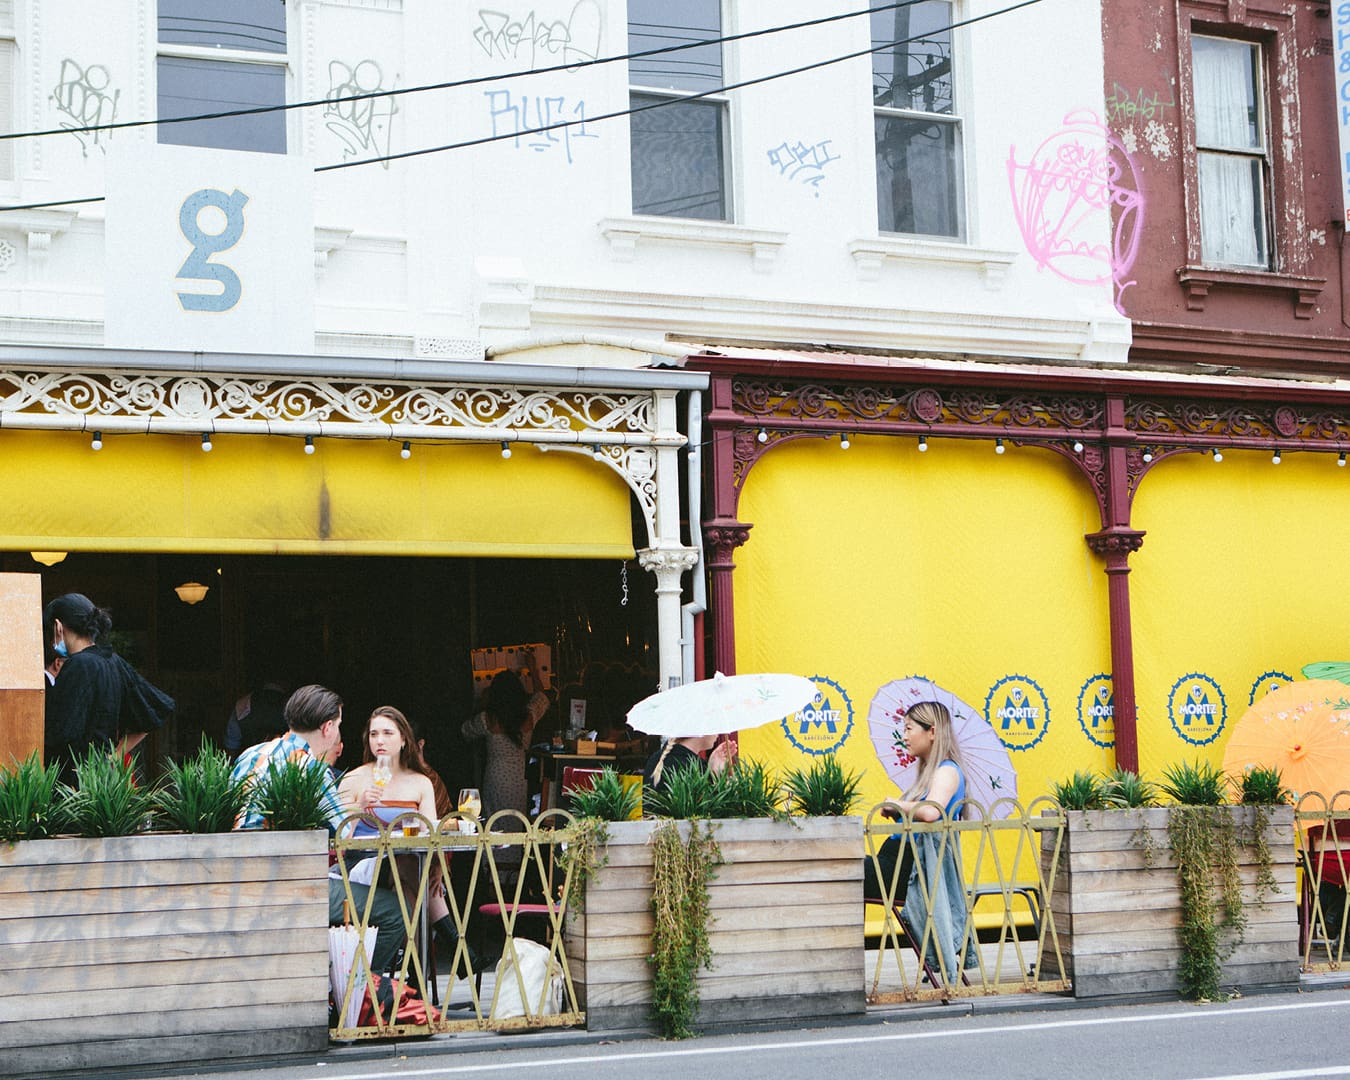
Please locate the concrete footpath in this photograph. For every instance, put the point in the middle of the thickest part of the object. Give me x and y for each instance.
(482, 1042)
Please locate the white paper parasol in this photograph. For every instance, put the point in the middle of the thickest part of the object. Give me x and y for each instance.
(722, 704)
(989, 771)
(343, 951)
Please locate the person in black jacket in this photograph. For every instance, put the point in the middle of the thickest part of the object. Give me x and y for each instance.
(98, 699)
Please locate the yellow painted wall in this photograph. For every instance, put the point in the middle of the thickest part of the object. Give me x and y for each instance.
(1245, 570)
(878, 562)
(255, 494)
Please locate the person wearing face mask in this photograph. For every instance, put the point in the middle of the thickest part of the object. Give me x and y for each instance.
(98, 699)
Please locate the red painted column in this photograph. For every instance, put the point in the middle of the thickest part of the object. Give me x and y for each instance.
(1116, 542)
(724, 533)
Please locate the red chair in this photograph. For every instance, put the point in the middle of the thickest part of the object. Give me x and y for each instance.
(576, 778)
(1325, 862)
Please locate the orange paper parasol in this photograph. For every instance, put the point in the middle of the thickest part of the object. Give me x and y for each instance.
(1303, 729)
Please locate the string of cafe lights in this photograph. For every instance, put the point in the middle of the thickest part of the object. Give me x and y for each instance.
(561, 125)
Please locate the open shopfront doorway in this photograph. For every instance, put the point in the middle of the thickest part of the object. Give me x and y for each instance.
(379, 630)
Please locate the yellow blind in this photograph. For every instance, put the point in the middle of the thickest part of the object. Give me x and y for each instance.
(257, 494)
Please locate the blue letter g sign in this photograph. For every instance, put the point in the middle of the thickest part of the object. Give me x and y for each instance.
(204, 245)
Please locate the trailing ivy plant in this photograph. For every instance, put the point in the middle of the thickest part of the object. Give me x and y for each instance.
(1205, 845)
(822, 789)
(30, 806)
(681, 872)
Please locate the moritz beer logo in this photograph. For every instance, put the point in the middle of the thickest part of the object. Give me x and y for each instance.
(823, 725)
(1197, 708)
(1267, 682)
(1097, 710)
(1018, 710)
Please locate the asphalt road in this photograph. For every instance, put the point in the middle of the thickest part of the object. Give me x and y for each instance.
(1277, 1037)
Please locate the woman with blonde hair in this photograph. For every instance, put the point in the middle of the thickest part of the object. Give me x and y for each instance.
(938, 793)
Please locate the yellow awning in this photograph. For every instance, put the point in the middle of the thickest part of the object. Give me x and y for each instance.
(264, 495)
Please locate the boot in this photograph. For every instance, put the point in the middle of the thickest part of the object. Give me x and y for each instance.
(448, 936)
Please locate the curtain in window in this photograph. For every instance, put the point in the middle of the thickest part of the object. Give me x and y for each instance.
(1225, 94)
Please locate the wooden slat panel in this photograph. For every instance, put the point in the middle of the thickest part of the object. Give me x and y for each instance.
(305, 954)
(747, 851)
(168, 874)
(802, 915)
(636, 968)
(283, 912)
(1108, 941)
(259, 1042)
(197, 946)
(726, 943)
(780, 986)
(133, 901)
(166, 1010)
(159, 847)
(760, 873)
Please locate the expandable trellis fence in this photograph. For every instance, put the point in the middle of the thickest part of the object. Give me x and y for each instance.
(978, 918)
(1322, 832)
(507, 873)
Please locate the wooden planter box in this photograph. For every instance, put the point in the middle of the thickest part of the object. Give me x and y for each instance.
(162, 948)
(787, 936)
(1117, 913)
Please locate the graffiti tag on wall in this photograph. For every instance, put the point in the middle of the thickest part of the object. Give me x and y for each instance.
(800, 160)
(524, 37)
(1123, 107)
(365, 126)
(84, 98)
(528, 116)
(1064, 196)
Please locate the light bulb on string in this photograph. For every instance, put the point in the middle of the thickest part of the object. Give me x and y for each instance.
(1341, 459)
(923, 444)
(1077, 446)
(763, 435)
(406, 452)
(843, 440)
(506, 450)
(1218, 454)
(97, 442)
(1148, 455)
(1275, 458)
(309, 444)
(206, 443)
(998, 446)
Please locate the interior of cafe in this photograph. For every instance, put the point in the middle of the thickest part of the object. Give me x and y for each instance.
(380, 630)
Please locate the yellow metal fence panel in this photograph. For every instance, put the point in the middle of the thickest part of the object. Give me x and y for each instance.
(1322, 835)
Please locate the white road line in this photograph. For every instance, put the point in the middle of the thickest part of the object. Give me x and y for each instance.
(1295, 1074)
(1193, 1013)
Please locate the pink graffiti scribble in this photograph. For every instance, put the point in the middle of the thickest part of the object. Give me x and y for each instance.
(1063, 199)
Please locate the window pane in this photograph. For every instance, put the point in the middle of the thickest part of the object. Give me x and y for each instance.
(915, 73)
(677, 159)
(190, 87)
(240, 24)
(1232, 210)
(1227, 90)
(918, 176)
(655, 24)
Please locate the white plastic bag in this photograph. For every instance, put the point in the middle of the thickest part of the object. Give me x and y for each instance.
(539, 974)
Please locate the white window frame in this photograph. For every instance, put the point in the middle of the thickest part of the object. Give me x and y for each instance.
(210, 54)
(955, 119)
(9, 149)
(722, 102)
(1260, 155)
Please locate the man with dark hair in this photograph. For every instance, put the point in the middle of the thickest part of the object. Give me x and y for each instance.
(313, 719)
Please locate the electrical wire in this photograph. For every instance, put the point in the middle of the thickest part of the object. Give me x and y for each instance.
(456, 84)
(564, 124)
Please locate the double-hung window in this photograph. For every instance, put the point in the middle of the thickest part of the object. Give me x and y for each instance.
(678, 148)
(920, 186)
(1232, 164)
(216, 57)
(7, 105)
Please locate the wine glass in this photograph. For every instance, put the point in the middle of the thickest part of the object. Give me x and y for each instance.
(381, 773)
(471, 803)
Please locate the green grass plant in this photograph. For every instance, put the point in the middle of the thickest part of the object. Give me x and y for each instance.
(687, 791)
(1261, 785)
(752, 791)
(608, 799)
(105, 800)
(1122, 789)
(1082, 791)
(30, 806)
(1198, 783)
(198, 795)
(289, 795)
(822, 789)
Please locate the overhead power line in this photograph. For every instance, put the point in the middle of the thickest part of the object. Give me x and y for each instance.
(455, 84)
(565, 124)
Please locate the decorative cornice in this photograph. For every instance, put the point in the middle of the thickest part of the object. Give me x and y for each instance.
(1116, 542)
(724, 536)
(668, 560)
(624, 235)
(872, 253)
